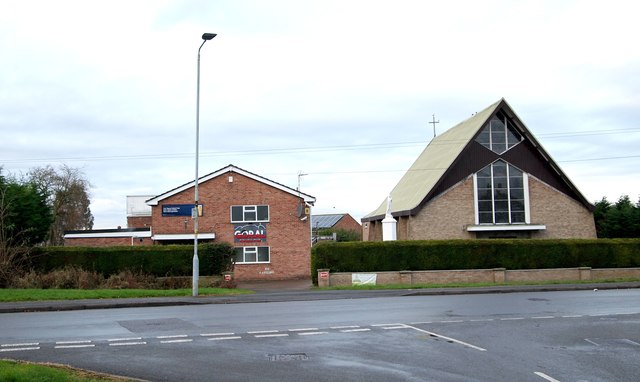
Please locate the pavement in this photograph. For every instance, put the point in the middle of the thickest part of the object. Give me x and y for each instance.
(289, 290)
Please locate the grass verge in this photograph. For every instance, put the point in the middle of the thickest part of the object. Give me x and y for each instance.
(20, 371)
(470, 285)
(12, 295)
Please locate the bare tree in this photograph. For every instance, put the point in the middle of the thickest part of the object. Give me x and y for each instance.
(67, 192)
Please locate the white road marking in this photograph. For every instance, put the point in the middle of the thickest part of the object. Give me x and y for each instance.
(20, 349)
(263, 331)
(73, 342)
(395, 327)
(483, 320)
(303, 330)
(344, 327)
(449, 321)
(216, 334)
(74, 346)
(573, 316)
(127, 343)
(124, 339)
(448, 338)
(224, 338)
(394, 324)
(355, 330)
(272, 335)
(174, 336)
(543, 375)
(630, 342)
(591, 342)
(312, 333)
(176, 341)
(542, 317)
(421, 323)
(23, 344)
(512, 319)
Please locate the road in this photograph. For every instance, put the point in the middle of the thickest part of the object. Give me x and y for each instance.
(544, 336)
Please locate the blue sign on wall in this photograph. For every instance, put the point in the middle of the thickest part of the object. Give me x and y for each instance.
(179, 209)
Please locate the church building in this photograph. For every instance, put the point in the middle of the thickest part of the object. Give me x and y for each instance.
(486, 177)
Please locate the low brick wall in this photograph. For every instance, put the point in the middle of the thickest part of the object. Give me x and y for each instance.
(497, 275)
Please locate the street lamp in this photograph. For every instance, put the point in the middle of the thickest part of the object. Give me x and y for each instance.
(196, 211)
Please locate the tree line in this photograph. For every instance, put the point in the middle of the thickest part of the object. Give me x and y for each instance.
(37, 207)
(617, 220)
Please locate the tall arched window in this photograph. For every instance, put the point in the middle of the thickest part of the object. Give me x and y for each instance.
(501, 194)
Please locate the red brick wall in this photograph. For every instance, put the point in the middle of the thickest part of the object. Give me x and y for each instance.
(138, 221)
(288, 237)
(349, 223)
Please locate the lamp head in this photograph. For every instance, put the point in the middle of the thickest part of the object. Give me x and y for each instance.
(208, 36)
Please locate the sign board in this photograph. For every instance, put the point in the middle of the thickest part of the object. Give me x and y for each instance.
(227, 277)
(250, 233)
(363, 278)
(324, 275)
(180, 210)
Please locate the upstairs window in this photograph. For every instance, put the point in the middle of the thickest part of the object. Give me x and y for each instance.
(499, 135)
(501, 194)
(249, 214)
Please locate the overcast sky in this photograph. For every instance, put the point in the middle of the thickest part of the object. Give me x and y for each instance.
(339, 90)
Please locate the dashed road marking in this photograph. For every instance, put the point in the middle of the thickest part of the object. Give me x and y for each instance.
(303, 330)
(73, 342)
(124, 339)
(74, 346)
(543, 375)
(312, 333)
(2, 350)
(176, 341)
(272, 335)
(262, 331)
(224, 338)
(173, 336)
(512, 319)
(216, 334)
(127, 343)
(542, 317)
(344, 327)
(355, 330)
(21, 345)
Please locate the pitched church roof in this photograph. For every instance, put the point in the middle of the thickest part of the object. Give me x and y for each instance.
(452, 153)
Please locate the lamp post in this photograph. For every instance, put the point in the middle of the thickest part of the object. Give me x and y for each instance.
(196, 210)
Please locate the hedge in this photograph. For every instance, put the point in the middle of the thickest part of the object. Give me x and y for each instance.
(473, 254)
(169, 260)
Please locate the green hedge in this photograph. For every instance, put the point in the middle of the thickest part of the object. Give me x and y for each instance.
(169, 260)
(473, 254)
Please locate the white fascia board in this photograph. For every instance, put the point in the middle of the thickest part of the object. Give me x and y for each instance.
(186, 236)
(307, 198)
(94, 235)
(512, 227)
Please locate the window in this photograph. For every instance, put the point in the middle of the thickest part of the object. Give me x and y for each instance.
(501, 194)
(249, 214)
(499, 135)
(249, 255)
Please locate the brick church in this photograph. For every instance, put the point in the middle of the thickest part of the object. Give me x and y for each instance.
(487, 177)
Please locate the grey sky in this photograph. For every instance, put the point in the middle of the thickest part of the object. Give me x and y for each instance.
(339, 90)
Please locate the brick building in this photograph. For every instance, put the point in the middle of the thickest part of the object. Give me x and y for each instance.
(486, 177)
(267, 222)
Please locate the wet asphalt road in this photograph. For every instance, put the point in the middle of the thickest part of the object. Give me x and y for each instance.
(536, 336)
